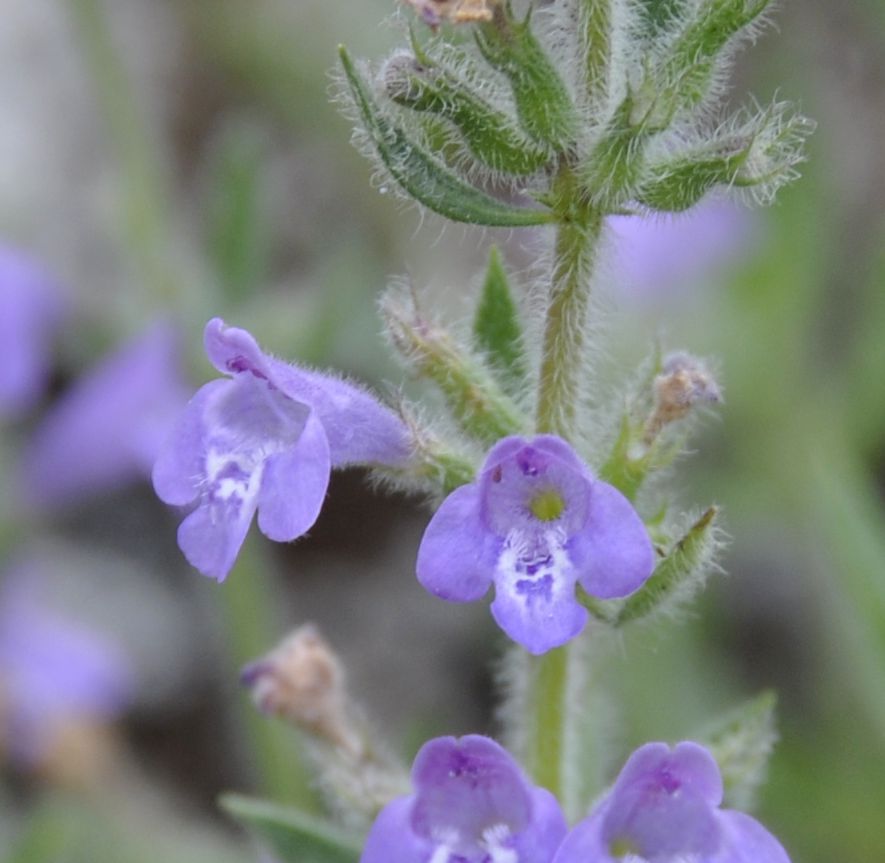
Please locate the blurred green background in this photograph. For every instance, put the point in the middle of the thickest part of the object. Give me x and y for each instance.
(185, 158)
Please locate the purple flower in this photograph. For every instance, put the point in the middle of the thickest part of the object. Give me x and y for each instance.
(108, 428)
(52, 672)
(664, 808)
(472, 804)
(535, 522)
(265, 438)
(31, 310)
(657, 256)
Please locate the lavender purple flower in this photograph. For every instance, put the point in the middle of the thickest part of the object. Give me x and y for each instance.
(536, 522)
(52, 672)
(664, 808)
(108, 428)
(264, 438)
(471, 804)
(31, 310)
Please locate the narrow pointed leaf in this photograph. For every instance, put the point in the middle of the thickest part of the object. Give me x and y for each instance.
(292, 835)
(489, 134)
(542, 101)
(425, 178)
(497, 331)
(678, 574)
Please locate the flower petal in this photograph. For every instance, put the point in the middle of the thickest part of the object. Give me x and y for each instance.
(359, 428)
(465, 788)
(212, 534)
(535, 595)
(546, 832)
(391, 839)
(613, 555)
(663, 803)
(747, 841)
(456, 555)
(687, 764)
(584, 842)
(656, 823)
(179, 468)
(523, 474)
(108, 427)
(234, 351)
(294, 485)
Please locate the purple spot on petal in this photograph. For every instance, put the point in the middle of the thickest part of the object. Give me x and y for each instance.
(529, 462)
(539, 588)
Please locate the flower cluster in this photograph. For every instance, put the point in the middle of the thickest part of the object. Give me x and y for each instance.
(472, 804)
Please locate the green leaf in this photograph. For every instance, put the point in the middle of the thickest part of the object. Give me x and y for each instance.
(497, 332)
(759, 152)
(678, 574)
(422, 176)
(694, 57)
(294, 836)
(543, 104)
(742, 742)
(489, 134)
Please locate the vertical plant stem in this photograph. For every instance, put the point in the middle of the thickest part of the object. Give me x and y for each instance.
(548, 684)
(553, 683)
(555, 730)
(566, 320)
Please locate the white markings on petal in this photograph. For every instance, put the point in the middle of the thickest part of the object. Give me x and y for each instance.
(536, 568)
(493, 843)
(247, 423)
(441, 854)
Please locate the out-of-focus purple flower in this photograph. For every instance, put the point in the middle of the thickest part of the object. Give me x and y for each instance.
(535, 522)
(265, 438)
(52, 672)
(664, 808)
(31, 310)
(657, 256)
(108, 428)
(472, 804)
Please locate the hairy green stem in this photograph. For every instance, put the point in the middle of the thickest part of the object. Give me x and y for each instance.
(548, 683)
(553, 679)
(565, 326)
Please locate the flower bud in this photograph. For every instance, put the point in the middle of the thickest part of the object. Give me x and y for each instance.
(302, 682)
(434, 12)
(684, 382)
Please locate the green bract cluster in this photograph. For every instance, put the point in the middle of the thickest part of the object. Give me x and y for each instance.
(609, 105)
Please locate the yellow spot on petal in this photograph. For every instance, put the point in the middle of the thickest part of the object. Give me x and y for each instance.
(547, 505)
(622, 847)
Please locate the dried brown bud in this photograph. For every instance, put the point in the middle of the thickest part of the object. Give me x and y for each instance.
(684, 382)
(434, 12)
(302, 681)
